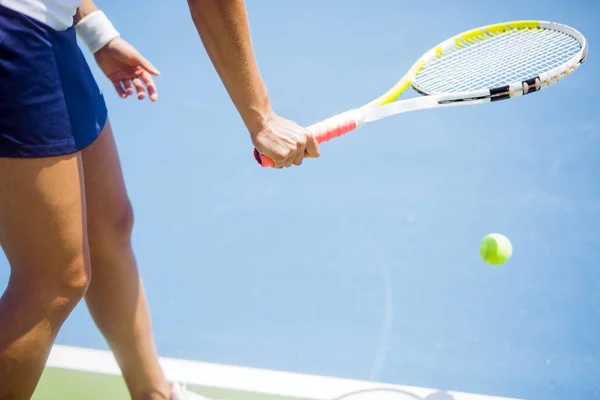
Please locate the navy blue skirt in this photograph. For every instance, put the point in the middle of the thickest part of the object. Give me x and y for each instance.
(50, 104)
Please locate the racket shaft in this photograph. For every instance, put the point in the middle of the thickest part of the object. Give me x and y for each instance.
(371, 114)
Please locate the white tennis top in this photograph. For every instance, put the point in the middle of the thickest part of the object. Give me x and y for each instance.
(58, 14)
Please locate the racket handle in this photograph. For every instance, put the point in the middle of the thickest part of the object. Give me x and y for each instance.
(323, 131)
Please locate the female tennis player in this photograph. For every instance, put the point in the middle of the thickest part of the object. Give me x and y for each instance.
(65, 216)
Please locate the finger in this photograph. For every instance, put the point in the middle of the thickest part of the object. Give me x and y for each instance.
(147, 65)
(290, 160)
(128, 87)
(279, 163)
(119, 89)
(150, 85)
(278, 160)
(299, 157)
(139, 87)
(312, 148)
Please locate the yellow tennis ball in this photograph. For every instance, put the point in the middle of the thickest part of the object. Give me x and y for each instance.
(495, 249)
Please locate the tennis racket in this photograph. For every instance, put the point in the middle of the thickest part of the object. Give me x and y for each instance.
(483, 65)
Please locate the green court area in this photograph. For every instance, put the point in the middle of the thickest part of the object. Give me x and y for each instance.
(86, 374)
(65, 384)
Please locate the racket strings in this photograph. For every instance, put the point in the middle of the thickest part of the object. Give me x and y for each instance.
(531, 64)
(476, 62)
(492, 54)
(489, 54)
(497, 60)
(510, 65)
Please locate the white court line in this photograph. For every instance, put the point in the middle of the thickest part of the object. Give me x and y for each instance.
(239, 378)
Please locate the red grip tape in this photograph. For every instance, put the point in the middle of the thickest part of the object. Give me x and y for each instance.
(324, 131)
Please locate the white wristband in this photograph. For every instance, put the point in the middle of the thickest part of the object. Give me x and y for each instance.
(96, 30)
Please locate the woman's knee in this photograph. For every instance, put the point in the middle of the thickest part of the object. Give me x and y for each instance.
(55, 286)
(75, 279)
(113, 229)
(122, 223)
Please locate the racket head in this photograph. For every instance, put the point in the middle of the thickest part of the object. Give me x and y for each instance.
(500, 61)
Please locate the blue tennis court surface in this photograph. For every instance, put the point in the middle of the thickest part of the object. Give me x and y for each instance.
(363, 265)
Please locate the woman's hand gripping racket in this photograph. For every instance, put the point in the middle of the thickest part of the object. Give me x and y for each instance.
(494, 62)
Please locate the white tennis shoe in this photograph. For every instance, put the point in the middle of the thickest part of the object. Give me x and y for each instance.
(179, 392)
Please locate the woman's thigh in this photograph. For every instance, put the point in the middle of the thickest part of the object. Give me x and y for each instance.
(42, 221)
(109, 210)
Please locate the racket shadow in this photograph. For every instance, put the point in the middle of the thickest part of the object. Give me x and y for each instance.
(392, 394)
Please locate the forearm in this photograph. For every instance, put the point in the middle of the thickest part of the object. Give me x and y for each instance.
(223, 28)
